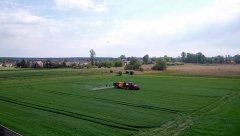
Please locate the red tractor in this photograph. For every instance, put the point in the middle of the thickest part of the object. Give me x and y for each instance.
(126, 85)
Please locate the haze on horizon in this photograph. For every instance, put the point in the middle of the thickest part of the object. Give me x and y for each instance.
(70, 28)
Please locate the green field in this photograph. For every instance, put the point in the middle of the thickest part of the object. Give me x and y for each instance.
(63, 102)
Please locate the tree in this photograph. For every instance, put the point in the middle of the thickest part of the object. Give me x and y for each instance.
(160, 65)
(120, 73)
(153, 59)
(219, 59)
(48, 64)
(122, 57)
(92, 56)
(210, 60)
(201, 58)
(146, 59)
(183, 54)
(134, 64)
(4, 64)
(65, 62)
(194, 58)
(22, 64)
(118, 64)
(168, 59)
(228, 59)
(237, 59)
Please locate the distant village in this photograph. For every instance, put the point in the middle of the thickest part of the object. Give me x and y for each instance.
(58, 62)
(131, 63)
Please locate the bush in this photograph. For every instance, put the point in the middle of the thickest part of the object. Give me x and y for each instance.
(131, 73)
(88, 66)
(111, 71)
(126, 72)
(160, 65)
(120, 73)
(78, 67)
(136, 66)
(105, 64)
(118, 64)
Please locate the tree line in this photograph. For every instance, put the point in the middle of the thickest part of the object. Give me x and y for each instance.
(202, 59)
(134, 63)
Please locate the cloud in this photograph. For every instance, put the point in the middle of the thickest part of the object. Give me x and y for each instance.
(19, 17)
(22, 33)
(33, 32)
(85, 5)
(209, 27)
(219, 13)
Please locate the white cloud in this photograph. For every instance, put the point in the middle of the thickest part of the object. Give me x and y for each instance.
(208, 30)
(86, 5)
(16, 23)
(19, 17)
(165, 31)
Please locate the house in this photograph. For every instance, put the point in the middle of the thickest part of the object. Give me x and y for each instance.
(126, 62)
(38, 64)
(8, 64)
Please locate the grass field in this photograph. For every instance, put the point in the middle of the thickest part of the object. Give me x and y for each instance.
(63, 102)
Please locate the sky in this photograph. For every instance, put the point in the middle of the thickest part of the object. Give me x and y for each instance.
(70, 28)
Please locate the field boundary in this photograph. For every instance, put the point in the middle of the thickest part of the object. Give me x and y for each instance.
(4, 131)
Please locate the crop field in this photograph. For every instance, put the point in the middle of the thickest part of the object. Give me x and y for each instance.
(77, 102)
(211, 70)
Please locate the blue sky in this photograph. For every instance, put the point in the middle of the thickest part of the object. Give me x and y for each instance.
(70, 28)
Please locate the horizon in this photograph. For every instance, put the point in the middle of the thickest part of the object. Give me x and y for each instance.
(179, 56)
(69, 28)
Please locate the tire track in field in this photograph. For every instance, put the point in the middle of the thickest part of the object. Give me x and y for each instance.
(170, 128)
(229, 89)
(215, 104)
(184, 121)
(149, 107)
(74, 115)
(195, 95)
(96, 120)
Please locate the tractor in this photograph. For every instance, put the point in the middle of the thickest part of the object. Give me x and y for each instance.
(126, 85)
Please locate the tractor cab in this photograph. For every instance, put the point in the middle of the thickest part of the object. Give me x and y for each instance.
(126, 85)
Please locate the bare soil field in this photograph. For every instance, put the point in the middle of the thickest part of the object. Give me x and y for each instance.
(214, 70)
(218, 70)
